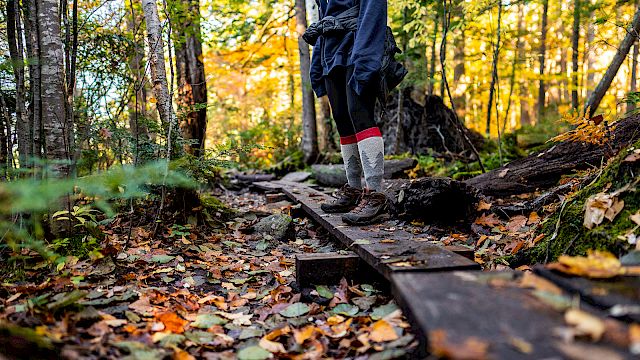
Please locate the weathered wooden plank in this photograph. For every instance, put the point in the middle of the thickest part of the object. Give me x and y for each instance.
(463, 305)
(326, 268)
(385, 251)
(622, 292)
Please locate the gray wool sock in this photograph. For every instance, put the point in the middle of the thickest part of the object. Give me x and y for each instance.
(372, 157)
(352, 165)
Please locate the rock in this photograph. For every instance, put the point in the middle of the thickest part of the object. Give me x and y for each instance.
(279, 226)
(329, 175)
(631, 259)
(298, 176)
(335, 176)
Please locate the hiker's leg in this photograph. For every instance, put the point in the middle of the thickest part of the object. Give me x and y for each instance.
(367, 133)
(336, 84)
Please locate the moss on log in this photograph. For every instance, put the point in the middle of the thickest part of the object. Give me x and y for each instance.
(573, 238)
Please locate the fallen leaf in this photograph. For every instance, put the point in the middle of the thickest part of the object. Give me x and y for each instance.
(483, 205)
(172, 322)
(295, 310)
(382, 331)
(304, 334)
(345, 309)
(597, 264)
(470, 349)
(534, 218)
(503, 173)
(635, 218)
(532, 281)
(254, 353)
(516, 223)
(488, 220)
(585, 323)
(601, 206)
(272, 346)
(205, 321)
(182, 355)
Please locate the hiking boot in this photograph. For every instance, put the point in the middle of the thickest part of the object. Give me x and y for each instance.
(345, 199)
(373, 208)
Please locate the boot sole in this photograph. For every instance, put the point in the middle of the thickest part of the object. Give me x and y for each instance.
(375, 220)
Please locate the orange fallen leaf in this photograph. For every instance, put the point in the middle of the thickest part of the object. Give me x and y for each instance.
(487, 220)
(180, 354)
(304, 334)
(533, 218)
(471, 348)
(483, 205)
(172, 322)
(382, 331)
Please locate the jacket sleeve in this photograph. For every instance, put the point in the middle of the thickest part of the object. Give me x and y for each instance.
(317, 81)
(368, 47)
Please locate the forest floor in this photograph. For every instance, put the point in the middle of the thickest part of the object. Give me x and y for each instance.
(187, 293)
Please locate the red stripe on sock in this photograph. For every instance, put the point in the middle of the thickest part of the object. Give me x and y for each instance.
(370, 132)
(346, 140)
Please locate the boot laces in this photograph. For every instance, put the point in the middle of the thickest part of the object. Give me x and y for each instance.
(364, 201)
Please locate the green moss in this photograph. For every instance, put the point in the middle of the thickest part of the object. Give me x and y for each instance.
(573, 237)
(214, 209)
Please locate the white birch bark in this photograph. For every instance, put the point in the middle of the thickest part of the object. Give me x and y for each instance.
(56, 131)
(156, 59)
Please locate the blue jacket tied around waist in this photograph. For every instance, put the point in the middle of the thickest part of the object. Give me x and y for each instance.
(363, 48)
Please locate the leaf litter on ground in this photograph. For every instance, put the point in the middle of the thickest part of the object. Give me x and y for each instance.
(208, 293)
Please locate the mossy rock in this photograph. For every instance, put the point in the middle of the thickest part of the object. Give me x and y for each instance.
(573, 237)
(214, 209)
(278, 226)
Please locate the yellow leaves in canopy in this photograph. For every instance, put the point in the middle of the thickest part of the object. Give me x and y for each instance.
(597, 264)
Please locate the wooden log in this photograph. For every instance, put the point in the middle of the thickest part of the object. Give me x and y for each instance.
(435, 199)
(619, 296)
(335, 176)
(543, 170)
(274, 198)
(326, 268)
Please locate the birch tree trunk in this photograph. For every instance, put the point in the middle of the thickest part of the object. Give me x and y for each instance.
(156, 60)
(309, 127)
(542, 53)
(33, 53)
(56, 130)
(138, 98)
(14, 37)
(632, 35)
(192, 87)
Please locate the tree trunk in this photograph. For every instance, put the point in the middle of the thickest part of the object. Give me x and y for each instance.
(575, 43)
(432, 65)
(459, 98)
(589, 49)
(138, 98)
(621, 54)
(329, 131)
(494, 71)
(631, 106)
(541, 56)
(35, 105)
(544, 169)
(14, 36)
(157, 65)
(525, 108)
(309, 128)
(56, 130)
(192, 86)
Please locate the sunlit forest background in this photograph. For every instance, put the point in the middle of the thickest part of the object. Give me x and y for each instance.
(252, 71)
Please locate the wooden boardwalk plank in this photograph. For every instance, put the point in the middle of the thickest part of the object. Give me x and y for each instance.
(386, 251)
(462, 305)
